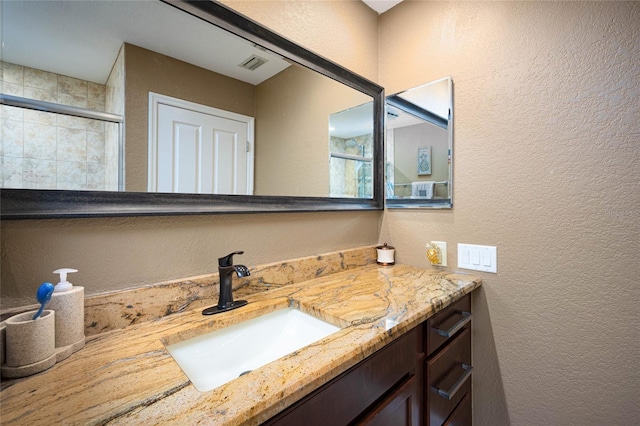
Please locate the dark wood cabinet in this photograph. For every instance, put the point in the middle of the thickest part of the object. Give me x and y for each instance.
(461, 416)
(398, 408)
(447, 393)
(421, 378)
(383, 389)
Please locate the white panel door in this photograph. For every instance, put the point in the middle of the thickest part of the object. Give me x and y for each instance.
(200, 153)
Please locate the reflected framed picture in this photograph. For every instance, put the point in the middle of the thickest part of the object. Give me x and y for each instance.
(424, 161)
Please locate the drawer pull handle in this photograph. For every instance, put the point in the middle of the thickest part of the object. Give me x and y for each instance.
(452, 392)
(466, 317)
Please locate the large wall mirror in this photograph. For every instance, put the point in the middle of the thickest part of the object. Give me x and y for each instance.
(177, 107)
(419, 142)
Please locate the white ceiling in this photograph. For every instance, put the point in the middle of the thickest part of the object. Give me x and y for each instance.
(81, 39)
(381, 6)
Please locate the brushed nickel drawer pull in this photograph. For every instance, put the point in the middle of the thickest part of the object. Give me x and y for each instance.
(452, 392)
(466, 317)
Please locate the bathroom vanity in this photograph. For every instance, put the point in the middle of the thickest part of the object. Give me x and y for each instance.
(381, 364)
(402, 383)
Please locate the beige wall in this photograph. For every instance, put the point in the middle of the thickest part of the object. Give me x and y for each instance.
(117, 253)
(293, 159)
(147, 71)
(407, 141)
(545, 105)
(546, 168)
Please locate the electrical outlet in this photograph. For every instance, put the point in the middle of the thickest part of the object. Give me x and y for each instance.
(442, 245)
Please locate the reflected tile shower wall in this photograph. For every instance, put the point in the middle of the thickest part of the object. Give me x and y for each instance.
(351, 178)
(43, 150)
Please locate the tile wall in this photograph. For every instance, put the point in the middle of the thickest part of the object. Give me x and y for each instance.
(114, 103)
(349, 178)
(41, 150)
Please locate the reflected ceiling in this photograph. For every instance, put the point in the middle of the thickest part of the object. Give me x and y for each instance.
(97, 29)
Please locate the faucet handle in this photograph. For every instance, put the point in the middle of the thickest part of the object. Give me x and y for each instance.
(228, 259)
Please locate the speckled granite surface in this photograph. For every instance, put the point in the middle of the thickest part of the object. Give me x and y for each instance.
(126, 376)
(110, 311)
(124, 308)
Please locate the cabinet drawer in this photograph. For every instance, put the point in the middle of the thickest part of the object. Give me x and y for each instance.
(461, 416)
(446, 323)
(448, 378)
(398, 408)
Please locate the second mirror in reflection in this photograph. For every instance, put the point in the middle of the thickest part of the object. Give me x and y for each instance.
(419, 142)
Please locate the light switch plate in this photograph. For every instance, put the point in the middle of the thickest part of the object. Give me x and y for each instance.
(478, 258)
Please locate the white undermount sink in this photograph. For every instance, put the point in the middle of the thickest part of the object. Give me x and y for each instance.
(216, 358)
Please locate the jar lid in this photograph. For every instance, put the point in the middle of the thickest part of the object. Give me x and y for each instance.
(385, 247)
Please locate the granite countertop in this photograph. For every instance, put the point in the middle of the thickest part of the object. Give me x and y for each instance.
(126, 376)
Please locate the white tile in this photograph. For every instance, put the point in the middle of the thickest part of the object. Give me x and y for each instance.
(11, 172)
(72, 86)
(76, 101)
(40, 141)
(13, 89)
(95, 147)
(12, 73)
(40, 94)
(39, 172)
(40, 117)
(72, 175)
(72, 145)
(12, 138)
(39, 79)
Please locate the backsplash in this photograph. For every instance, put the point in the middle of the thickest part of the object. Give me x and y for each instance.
(111, 311)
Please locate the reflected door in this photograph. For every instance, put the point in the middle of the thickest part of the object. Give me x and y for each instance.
(202, 153)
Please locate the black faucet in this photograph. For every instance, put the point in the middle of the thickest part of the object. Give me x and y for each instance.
(226, 268)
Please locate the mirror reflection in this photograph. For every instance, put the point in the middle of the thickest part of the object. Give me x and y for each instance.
(419, 141)
(351, 148)
(204, 111)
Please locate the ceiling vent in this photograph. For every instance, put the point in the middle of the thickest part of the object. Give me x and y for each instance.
(392, 113)
(252, 62)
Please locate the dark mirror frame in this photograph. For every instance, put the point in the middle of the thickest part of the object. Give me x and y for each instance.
(47, 204)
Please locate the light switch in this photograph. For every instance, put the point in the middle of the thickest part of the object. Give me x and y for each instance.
(463, 254)
(475, 255)
(486, 257)
(478, 258)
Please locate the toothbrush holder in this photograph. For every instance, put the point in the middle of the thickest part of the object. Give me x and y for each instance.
(30, 344)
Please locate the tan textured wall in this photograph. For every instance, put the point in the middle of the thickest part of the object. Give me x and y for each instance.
(303, 100)
(546, 167)
(116, 253)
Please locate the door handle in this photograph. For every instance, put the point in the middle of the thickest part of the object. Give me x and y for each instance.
(449, 394)
(466, 317)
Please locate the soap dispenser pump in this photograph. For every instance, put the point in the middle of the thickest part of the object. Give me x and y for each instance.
(67, 301)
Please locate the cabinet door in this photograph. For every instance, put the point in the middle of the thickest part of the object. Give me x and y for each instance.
(397, 409)
(345, 399)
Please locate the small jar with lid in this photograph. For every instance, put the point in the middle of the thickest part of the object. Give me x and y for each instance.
(386, 255)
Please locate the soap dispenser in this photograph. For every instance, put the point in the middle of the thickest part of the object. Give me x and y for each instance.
(67, 301)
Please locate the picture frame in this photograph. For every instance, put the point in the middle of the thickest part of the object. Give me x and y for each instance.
(424, 161)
